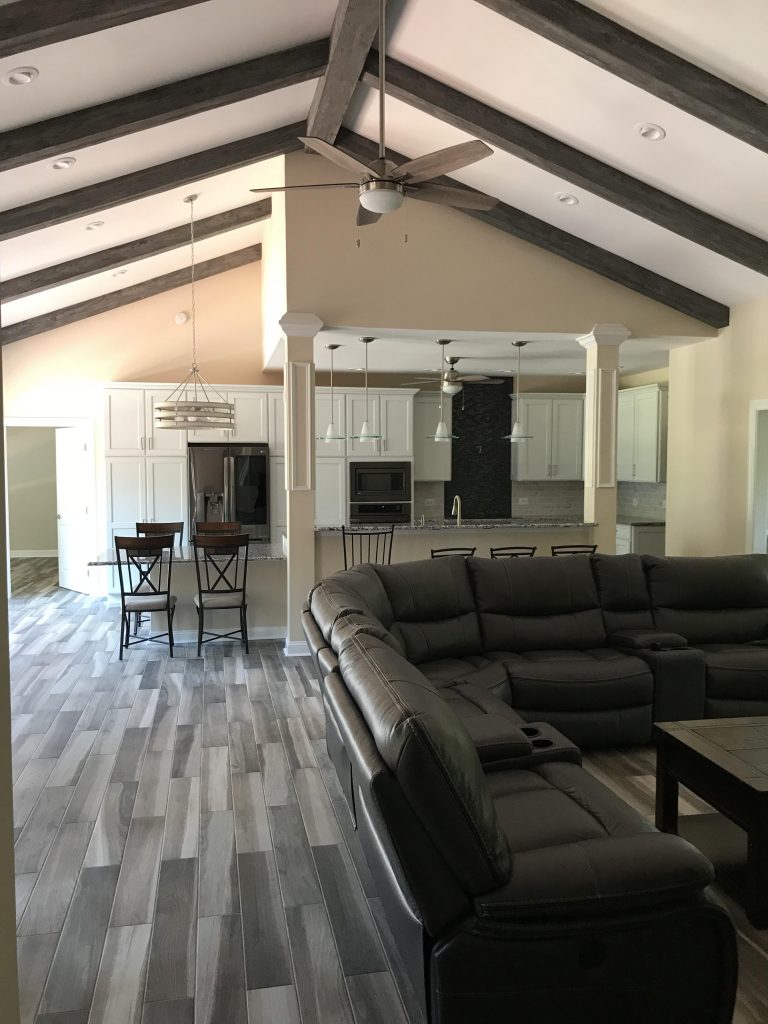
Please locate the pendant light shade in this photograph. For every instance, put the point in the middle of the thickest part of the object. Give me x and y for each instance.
(194, 404)
(332, 431)
(367, 432)
(518, 435)
(442, 433)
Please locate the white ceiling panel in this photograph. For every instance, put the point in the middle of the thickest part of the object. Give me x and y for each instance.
(131, 58)
(135, 273)
(513, 70)
(524, 186)
(125, 223)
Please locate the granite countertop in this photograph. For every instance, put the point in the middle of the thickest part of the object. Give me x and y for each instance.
(259, 551)
(638, 521)
(470, 524)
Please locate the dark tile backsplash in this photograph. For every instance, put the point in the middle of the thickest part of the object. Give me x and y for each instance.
(480, 466)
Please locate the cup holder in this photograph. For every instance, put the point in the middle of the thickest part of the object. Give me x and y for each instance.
(542, 744)
(529, 730)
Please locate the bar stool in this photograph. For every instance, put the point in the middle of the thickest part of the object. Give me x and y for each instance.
(372, 546)
(515, 551)
(144, 567)
(221, 564)
(574, 549)
(154, 530)
(446, 552)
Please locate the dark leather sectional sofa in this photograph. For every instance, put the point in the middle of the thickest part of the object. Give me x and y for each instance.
(519, 888)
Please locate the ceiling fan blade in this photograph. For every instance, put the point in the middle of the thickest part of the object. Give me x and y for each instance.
(365, 217)
(337, 156)
(325, 184)
(442, 161)
(473, 378)
(458, 197)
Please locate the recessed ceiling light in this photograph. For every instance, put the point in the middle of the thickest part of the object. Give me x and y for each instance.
(120, 272)
(64, 163)
(650, 132)
(20, 76)
(94, 225)
(566, 199)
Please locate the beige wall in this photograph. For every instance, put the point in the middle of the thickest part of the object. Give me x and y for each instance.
(31, 459)
(710, 387)
(53, 373)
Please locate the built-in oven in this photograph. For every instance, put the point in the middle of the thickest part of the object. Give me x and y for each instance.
(379, 512)
(380, 482)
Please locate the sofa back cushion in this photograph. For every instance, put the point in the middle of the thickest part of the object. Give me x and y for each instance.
(356, 591)
(527, 604)
(623, 592)
(719, 599)
(433, 608)
(432, 757)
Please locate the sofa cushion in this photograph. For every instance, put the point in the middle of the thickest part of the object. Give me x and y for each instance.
(736, 671)
(578, 849)
(433, 608)
(536, 603)
(481, 671)
(719, 599)
(623, 592)
(428, 750)
(356, 591)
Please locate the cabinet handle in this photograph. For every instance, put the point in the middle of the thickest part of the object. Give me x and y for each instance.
(143, 443)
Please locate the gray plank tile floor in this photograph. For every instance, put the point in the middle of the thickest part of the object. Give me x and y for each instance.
(182, 852)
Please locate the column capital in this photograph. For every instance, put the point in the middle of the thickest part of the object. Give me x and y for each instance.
(300, 325)
(608, 335)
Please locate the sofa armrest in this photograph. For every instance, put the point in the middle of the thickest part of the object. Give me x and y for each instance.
(647, 640)
(679, 683)
(496, 738)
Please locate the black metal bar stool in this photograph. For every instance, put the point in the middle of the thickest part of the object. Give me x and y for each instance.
(362, 546)
(445, 552)
(515, 551)
(221, 564)
(144, 567)
(574, 549)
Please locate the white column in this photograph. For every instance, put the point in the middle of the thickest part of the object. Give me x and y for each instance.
(600, 416)
(299, 393)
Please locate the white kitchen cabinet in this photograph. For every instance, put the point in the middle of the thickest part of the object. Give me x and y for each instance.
(278, 505)
(126, 490)
(388, 414)
(554, 449)
(323, 418)
(431, 459)
(276, 423)
(642, 434)
(357, 414)
(124, 431)
(161, 442)
(640, 538)
(330, 492)
(166, 489)
(251, 417)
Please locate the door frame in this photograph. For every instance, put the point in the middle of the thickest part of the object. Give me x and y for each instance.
(757, 476)
(88, 423)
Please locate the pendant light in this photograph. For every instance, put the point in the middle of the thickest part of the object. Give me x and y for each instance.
(332, 432)
(194, 404)
(442, 433)
(366, 431)
(518, 434)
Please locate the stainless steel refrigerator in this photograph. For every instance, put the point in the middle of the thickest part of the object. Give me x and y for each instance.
(230, 482)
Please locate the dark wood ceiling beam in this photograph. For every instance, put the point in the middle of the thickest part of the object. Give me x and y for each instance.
(139, 249)
(60, 135)
(535, 147)
(570, 247)
(352, 35)
(23, 27)
(134, 293)
(150, 181)
(642, 63)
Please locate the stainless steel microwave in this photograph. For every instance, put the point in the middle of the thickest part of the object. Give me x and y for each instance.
(379, 481)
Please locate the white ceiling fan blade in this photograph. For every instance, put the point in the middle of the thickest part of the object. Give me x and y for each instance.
(337, 156)
(447, 196)
(325, 184)
(442, 161)
(365, 217)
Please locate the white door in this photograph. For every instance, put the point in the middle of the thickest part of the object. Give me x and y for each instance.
(396, 426)
(647, 436)
(160, 442)
(330, 492)
(534, 455)
(567, 439)
(251, 417)
(74, 506)
(625, 436)
(167, 490)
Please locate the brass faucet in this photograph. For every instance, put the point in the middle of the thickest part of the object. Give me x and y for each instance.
(456, 509)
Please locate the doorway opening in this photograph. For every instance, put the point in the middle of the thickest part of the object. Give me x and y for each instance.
(757, 478)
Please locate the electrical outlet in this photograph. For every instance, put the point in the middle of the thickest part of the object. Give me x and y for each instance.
(634, 501)
(522, 501)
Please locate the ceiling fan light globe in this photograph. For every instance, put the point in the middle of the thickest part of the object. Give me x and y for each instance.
(381, 196)
(451, 387)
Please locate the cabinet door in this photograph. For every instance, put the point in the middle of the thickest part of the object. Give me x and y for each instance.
(396, 426)
(278, 514)
(126, 491)
(356, 416)
(330, 492)
(276, 423)
(161, 442)
(251, 417)
(567, 461)
(625, 436)
(534, 455)
(207, 435)
(323, 418)
(647, 436)
(431, 459)
(124, 429)
(167, 490)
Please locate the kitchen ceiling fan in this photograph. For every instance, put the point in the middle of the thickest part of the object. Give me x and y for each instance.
(382, 184)
(451, 381)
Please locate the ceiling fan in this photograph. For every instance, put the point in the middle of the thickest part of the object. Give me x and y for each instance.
(451, 381)
(382, 184)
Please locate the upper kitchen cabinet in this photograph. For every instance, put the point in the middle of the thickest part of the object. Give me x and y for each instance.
(641, 445)
(130, 427)
(431, 459)
(323, 416)
(390, 414)
(357, 414)
(251, 417)
(554, 449)
(276, 422)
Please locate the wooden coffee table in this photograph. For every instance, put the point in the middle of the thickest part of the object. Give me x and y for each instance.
(725, 762)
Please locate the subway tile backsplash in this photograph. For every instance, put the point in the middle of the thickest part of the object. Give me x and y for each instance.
(642, 501)
(546, 499)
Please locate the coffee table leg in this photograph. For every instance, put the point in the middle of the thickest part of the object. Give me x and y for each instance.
(757, 877)
(666, 796)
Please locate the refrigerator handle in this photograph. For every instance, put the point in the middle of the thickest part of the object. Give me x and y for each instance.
(229, 487)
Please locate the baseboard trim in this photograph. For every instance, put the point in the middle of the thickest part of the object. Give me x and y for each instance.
(295, 649)
(40, 553)
(189, 636)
